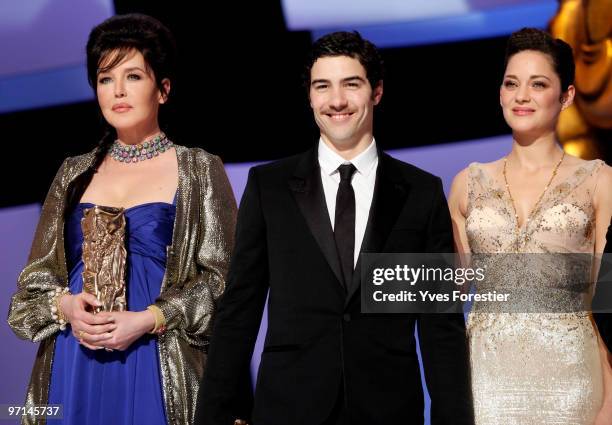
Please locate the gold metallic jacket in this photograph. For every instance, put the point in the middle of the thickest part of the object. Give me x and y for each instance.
(196, 267)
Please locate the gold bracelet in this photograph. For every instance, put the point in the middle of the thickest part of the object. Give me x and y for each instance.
(160, 320)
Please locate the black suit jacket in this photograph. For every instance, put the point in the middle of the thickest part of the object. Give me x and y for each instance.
(318, 340)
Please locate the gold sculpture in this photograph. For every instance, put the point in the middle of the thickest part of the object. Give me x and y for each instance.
(587, 27)
(104, 256)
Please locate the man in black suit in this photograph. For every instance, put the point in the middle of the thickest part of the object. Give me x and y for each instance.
(302, 223)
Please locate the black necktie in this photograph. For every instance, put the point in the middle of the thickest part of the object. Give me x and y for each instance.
(344, 224)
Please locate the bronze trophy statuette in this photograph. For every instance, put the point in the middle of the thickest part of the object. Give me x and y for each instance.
(104, 256)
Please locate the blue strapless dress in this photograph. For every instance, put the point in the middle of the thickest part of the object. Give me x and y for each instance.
(119, 387)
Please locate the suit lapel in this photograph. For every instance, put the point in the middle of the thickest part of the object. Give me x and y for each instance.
(307, 190)
(390, 193)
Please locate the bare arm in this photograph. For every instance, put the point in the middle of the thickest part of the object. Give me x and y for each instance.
(457, 204)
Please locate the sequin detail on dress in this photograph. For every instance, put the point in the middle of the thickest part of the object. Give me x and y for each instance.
(534, 368)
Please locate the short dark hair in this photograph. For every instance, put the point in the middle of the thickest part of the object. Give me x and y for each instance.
(122, 34)
(343, 43)
(559, 51)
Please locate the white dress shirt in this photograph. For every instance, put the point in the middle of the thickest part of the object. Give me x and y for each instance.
(363, 185)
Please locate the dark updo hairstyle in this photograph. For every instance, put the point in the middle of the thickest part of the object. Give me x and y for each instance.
(343, 43)
(559, 52)
(109, 44)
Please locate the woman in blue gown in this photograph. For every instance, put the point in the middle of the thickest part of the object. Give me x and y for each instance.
(127, 383)
(142, 365)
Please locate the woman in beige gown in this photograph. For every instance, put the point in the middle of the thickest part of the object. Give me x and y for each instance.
(538, 367)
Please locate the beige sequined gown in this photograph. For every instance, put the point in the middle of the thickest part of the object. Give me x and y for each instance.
(534, 368)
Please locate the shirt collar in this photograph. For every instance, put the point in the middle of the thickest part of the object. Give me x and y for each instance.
(364, 162)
